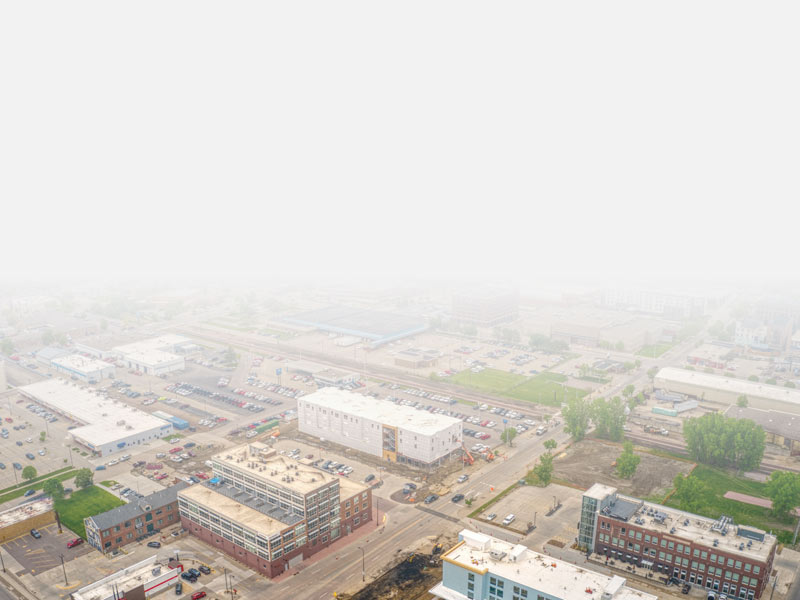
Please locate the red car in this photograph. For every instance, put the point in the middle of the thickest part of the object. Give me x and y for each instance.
(201, 475)
(198, 595)
(176, 449)
(9, 420)
(162, 476)
(75, 542)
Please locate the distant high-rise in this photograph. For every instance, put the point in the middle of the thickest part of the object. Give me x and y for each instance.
(487, 308)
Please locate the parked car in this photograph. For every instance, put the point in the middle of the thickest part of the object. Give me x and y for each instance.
(29, 493)
(2, 466)
(491, 516)
(458, 498)
(369, 478)
(510, 518)
(35, 533)
(154, 544)
(462, 478)
(198, 595)
(74, 542)
(178, 588)
(100, 468)
(431, 498)
(29, 456)
(204, 569)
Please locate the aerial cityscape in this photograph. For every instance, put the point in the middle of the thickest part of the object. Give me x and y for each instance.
(399, 301)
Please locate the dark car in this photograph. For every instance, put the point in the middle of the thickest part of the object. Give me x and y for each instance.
(19, 443)
(30, 492)
(204, 569)
(686, 588)
(431, 498)
(17, 466)
(29, 456)
(194, 573)
(369, 478)
(154, 544)
(458, 498)
(2, 465)
(188, 577)
(178, 588)
(35, 533)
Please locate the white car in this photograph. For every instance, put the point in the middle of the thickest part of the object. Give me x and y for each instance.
(509, 519)
(111, 463)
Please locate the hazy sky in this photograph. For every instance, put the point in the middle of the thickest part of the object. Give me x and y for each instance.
(430, 137)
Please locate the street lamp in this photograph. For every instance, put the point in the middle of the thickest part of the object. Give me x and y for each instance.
(64, 568)
(363, 570)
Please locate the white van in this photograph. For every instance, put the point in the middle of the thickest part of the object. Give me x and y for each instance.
(509, 519)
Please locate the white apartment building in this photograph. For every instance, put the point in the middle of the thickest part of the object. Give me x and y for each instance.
(378, 427)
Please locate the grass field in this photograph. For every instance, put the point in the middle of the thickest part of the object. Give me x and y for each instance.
(85, 503)
(545, 388)
(653, 350)
(719, 482)
(108, 482)
(61, 475)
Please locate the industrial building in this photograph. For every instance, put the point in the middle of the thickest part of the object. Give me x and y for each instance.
(146, 578)
(713, 554)
(177, 422)
(481, 566)
(714, 356)
(726, 390)
(271, 512)
(156, 356)
(781, 429)
(24, 517)
(129, 522)
(46, 355)
(376, 327)
(381, 428)
(486, 307)
(107, 426)
(668, 304)
(88, 370)
(322, 374)
(417, 358)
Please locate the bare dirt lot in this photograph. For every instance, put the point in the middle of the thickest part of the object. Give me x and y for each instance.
(590, 461)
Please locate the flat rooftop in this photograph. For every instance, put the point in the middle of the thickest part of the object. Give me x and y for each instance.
(696, 528)
(223, 501)
(104, 420)
(773, 421)
(82, 364)
(547, 575)
(25, 511)
(752, 389)
(126, 579)
(161, 342)
(382, 411)
(380, 327)
(263, 463)
(152, 357)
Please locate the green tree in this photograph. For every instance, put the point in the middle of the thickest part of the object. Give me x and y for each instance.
(637, 363)
(84, 478)
(753, 378)
(576, 417)
(627, 461)
(772, 381)
(53, 488)
(544, 468)
(48, 337)
(7, 346)
(721, 441)
(783, 488)
(29, 473)
(790, 384)
(619, 346)
(651, 372)
(741, 401)
(691, 492)
(628, 390)
(508, 435)
(550, 445)
(609, 418)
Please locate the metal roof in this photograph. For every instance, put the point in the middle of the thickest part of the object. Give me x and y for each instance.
(130, 511)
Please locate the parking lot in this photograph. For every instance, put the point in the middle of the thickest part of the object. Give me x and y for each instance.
(15, 444)
(40, 555)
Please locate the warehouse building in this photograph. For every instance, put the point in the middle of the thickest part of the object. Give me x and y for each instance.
(726, 390)
(271, 512)
(107, 426)
(486, 307)
(88, 370)
(130, 522)
(376, 327)
(156, 356)
(20, 519)
(394, 432)
(482, 566)
(46, 355)
(141, 580)
(781, 429)
(417, 358)
(713, 554)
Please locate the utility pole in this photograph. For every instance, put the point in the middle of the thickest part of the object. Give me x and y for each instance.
(64, 568)
(2, 562)
(363, 570)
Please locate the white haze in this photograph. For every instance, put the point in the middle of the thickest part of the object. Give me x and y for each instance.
(520, 139)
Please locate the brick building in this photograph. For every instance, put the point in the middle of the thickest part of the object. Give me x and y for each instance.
(271, 512)
(125, 524)
(712, 554)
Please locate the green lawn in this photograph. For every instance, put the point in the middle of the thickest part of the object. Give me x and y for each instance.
(544, 388)
(108, 482)
(720, 481)
(38, 478)
(85, 503)
(653, 350)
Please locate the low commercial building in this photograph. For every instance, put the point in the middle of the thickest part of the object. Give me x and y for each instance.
(46, 355)
(127, 523)
(24, 517)
(781, 429)
(481, 566)
(322, 374)
(106, 426)
(417, 358)
(718, 388)
(271, 512)
(141, 580)
(713, 554)
(381, 428)
(486, 307)
(713, 356)
(83, 368)
(156, 356)
(176, 422)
